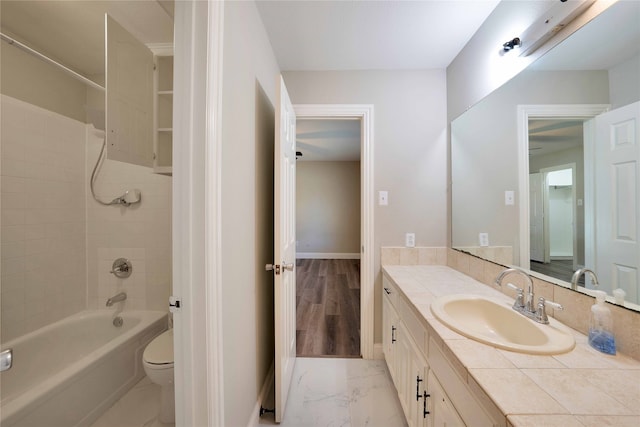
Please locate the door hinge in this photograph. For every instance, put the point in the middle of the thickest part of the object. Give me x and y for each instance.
(174, 304)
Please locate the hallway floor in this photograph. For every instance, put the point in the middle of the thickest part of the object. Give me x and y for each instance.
(341, 392)
(328, 307)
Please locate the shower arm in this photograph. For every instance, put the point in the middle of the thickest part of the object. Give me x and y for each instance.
(122, 200)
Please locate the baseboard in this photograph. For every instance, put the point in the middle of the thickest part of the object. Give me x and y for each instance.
(254, 421)
(378, 353)
(561, 257)
(326, 255)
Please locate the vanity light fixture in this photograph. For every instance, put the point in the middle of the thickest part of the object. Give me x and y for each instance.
(550, 23)
(511, 44)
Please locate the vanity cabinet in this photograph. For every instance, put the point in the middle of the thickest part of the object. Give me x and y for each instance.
(430, 391)
(406, 362)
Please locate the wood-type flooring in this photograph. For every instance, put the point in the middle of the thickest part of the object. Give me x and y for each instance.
(328, 307)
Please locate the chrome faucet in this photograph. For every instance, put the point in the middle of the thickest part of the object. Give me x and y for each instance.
(527, 303)
(580, 272)
(116, 298)
(525, 306)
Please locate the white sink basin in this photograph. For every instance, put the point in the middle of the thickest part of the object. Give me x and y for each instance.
(496, 323)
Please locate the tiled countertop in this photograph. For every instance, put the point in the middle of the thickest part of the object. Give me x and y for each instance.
(581, 388)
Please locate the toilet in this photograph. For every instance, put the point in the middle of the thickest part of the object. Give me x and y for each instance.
(157, 361)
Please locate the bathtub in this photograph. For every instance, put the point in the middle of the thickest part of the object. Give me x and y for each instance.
(68, 373)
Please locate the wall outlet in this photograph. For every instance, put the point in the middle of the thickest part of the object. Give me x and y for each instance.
(410, 240)
(383, 198)
(484, 239)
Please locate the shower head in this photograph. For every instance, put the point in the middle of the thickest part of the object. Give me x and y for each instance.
(129, 197)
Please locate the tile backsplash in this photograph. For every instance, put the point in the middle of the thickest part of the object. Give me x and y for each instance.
(576, 305)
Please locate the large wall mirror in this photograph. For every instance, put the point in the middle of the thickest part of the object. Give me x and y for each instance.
(534, 183)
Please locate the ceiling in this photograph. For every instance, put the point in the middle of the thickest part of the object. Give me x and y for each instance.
(328, 139)
(367, 35)
(547, 136)
(72, 32)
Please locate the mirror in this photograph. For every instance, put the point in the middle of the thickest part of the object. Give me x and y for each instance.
(539, 123)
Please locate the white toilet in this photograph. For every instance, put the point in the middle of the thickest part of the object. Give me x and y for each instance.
(157, 360)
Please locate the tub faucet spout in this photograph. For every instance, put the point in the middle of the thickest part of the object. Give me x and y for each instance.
(116, 298)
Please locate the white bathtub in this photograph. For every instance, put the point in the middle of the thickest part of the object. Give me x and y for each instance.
(68, 373)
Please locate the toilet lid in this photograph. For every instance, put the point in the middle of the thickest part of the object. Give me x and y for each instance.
(160, 350)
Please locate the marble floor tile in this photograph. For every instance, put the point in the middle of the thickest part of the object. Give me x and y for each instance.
(341, 392)
(138, 408)
(327, 392)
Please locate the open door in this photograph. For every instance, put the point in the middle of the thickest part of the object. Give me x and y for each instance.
(284, 250)
(617, 198)
(536, 217)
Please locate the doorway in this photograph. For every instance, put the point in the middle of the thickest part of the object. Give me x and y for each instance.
(353, 261)
(328, 217)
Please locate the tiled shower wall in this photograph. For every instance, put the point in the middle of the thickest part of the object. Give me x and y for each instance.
(58, 244)
(43, 217)
(140, 233)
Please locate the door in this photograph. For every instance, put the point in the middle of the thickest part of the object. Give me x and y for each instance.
(536, 217)
(617, 194)
(284, 247)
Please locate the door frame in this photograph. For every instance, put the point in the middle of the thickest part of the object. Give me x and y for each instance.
(364, 112)
(196, 236)
(574, 215)
(524, 113)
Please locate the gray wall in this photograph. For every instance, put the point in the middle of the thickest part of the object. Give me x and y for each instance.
(480, 68)
(409, 149)
(328, 207)
(624, 83)
(249, 84)
(484, 145)
(29, 79)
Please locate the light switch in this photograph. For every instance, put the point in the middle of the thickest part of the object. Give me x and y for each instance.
(383, 198)
(509, 197)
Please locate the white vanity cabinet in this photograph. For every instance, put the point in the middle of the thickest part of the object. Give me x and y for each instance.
(420, 370)
(406, 362)
(442, 411)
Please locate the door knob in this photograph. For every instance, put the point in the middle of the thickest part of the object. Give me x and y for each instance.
(286, 266)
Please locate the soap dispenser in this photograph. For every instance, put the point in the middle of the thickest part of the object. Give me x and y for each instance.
(601, 326)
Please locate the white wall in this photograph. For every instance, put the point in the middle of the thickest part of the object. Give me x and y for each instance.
(249, 83)
(328, 207)
(409, 148)
(43, 217)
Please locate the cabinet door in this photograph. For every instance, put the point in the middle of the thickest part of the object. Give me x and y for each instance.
(389, 322)
(416, 381)
(442, 411)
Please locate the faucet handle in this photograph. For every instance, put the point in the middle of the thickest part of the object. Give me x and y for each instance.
(541, 312)
(518, 304)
